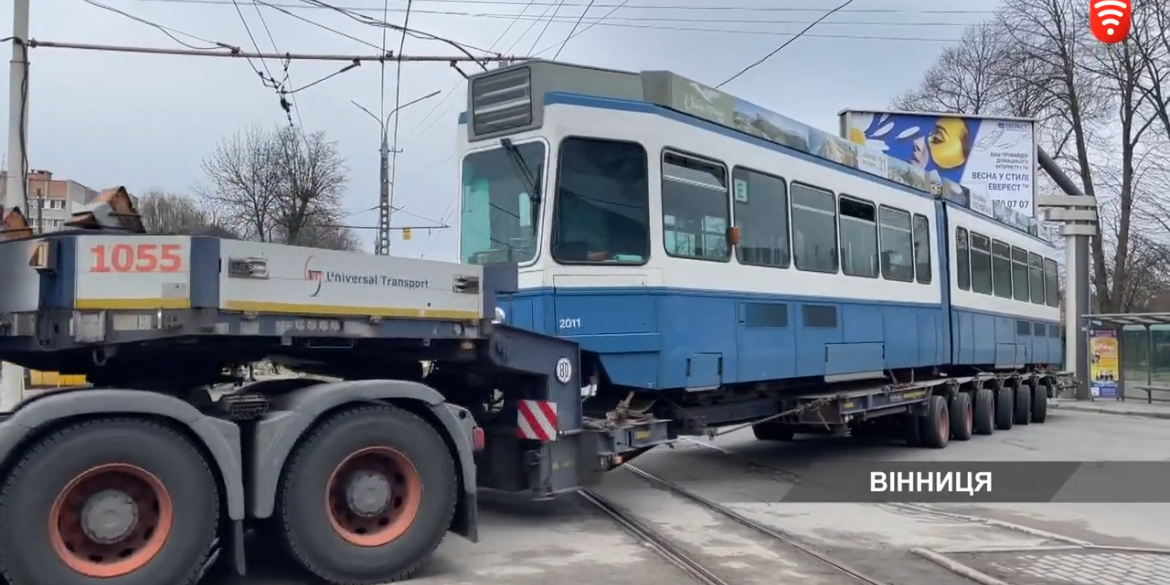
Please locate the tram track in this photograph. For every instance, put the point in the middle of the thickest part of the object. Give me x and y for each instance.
(685, 561)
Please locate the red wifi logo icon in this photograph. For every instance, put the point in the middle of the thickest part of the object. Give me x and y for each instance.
(1109, 20)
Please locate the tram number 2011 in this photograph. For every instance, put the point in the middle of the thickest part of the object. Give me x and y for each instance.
(568, 323)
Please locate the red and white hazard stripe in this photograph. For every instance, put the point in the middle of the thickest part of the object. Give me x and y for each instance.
(536, 420)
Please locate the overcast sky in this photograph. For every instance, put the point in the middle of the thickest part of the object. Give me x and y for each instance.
(146, 121)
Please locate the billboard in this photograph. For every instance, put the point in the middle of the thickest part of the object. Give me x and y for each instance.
(993, 159)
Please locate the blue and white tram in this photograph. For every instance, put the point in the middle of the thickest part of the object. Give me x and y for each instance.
(687, 255)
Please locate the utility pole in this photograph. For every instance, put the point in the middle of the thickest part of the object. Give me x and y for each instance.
(12, 375)
(382, 241)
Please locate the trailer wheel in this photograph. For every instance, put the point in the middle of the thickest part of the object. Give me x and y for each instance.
(1023, 412)
(962, 417)
(368, 496)
(984, 411)
(1039, 402)
(120, 501)
(1005, 408)
(936, 425)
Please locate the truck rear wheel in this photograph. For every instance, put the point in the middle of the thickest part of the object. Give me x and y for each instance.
(368, 496)
(121, 501)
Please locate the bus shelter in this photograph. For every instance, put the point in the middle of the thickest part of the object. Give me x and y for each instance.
(1129, 356)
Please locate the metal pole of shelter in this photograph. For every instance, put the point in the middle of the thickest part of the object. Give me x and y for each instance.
(11, 375)
(1078, 214)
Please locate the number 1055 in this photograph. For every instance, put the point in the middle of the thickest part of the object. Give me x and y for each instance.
(137, 258)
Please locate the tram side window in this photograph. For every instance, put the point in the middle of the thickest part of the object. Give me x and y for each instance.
(1036, 278)
(962, 259)
(601, 212)
(980, 263)
(1001, 269)
(1051, 283)
(922, 266)
(1020, 274)
(761, 214)
(814, 229)
(897, 245)
(695, 208)
(859, 238)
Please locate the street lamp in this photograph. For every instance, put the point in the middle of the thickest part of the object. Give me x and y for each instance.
(382, 244)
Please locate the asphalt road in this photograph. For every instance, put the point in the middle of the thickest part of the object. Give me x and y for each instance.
(1019, 544)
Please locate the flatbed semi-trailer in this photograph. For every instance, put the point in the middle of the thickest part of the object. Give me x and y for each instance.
(147, 476)
(144, 477)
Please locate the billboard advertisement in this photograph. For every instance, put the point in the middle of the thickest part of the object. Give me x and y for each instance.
(993, 160)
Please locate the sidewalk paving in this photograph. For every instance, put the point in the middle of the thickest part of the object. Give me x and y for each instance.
(1159, 410)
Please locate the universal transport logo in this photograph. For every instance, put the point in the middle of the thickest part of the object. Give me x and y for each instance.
(319, 277)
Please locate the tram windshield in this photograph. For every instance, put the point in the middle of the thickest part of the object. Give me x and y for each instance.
(500, 209)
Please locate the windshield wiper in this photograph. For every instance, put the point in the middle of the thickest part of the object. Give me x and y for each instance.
(531, 180)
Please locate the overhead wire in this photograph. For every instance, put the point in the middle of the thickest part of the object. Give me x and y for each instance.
(368, 20)
(597, 22)
(547, 23)
(571, 31)
(669, 7)
(397, 102)
(761, 60)
(269, 80)
(284, 10)
(170, 32)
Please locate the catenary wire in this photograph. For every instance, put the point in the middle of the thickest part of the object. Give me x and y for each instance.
(761, 60)
(170, 32)
(670, 7)
(397, 101)
(370, 21)
(576, 25)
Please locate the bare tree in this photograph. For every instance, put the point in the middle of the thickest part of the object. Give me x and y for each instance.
(169, 213)
(1100, 111)
(279, 186)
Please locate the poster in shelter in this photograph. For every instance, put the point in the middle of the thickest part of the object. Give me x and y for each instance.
(1103, 362)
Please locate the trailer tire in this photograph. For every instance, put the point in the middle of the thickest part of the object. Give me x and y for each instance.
(156, 495)
(962, 417)
(1023, 410)
(370, 449)
(984, 411)
(1039, 402)
(936, 425)
(1005, 408)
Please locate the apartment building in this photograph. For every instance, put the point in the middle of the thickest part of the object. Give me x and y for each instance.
(51, 200)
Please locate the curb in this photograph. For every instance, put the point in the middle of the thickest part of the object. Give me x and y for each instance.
(1114, 412)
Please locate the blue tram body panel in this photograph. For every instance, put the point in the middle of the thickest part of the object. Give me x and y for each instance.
(699, 325)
